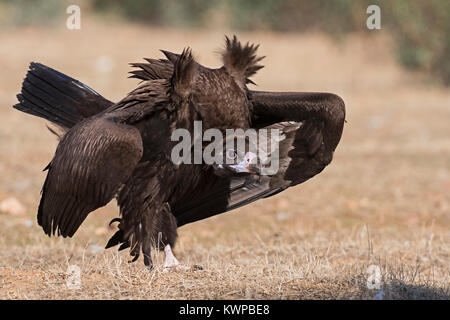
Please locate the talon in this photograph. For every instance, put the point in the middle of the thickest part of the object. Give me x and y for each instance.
(114, 220)
(134, 258)
(148, 261)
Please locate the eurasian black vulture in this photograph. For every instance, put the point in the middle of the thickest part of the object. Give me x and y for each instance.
(123, 149)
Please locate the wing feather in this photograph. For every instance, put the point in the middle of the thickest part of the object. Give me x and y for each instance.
(91, 162)
(311, 125)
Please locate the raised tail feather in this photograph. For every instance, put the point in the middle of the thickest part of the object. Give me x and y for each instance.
(56, 97)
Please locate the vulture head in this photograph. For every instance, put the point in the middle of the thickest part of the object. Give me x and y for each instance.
(238, 156)
(237, 163)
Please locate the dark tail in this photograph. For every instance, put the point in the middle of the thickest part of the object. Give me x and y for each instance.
(52, 95)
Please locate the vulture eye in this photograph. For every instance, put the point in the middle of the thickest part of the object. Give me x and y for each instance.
(231, 154)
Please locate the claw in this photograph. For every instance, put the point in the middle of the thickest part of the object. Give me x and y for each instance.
(148, 262)
(114, 220)
(134, 258)
(124, 245)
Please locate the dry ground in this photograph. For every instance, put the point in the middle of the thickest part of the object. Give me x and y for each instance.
(384, 200)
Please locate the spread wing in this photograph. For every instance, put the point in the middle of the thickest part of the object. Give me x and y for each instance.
(311, 125)
(91, 162)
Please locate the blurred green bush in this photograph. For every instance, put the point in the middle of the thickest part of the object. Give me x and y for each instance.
(14, 13)
(422, 33)
(172, 13)
(421, 28)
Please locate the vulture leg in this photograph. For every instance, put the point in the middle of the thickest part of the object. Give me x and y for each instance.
(159, 230)
(170, 261)
(146, 251)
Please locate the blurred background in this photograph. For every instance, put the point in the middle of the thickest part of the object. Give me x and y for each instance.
(420, 28)
(384, 200)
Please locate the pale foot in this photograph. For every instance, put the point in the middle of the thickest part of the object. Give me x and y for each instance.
(170, 262)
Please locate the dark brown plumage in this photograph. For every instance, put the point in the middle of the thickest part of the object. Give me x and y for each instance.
(123, 149)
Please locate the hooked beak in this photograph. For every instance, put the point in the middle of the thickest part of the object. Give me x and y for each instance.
(244, 167)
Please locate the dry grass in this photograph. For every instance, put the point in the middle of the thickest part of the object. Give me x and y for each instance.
(385, 200)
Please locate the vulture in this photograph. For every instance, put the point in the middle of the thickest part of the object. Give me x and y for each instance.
(123, 150)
